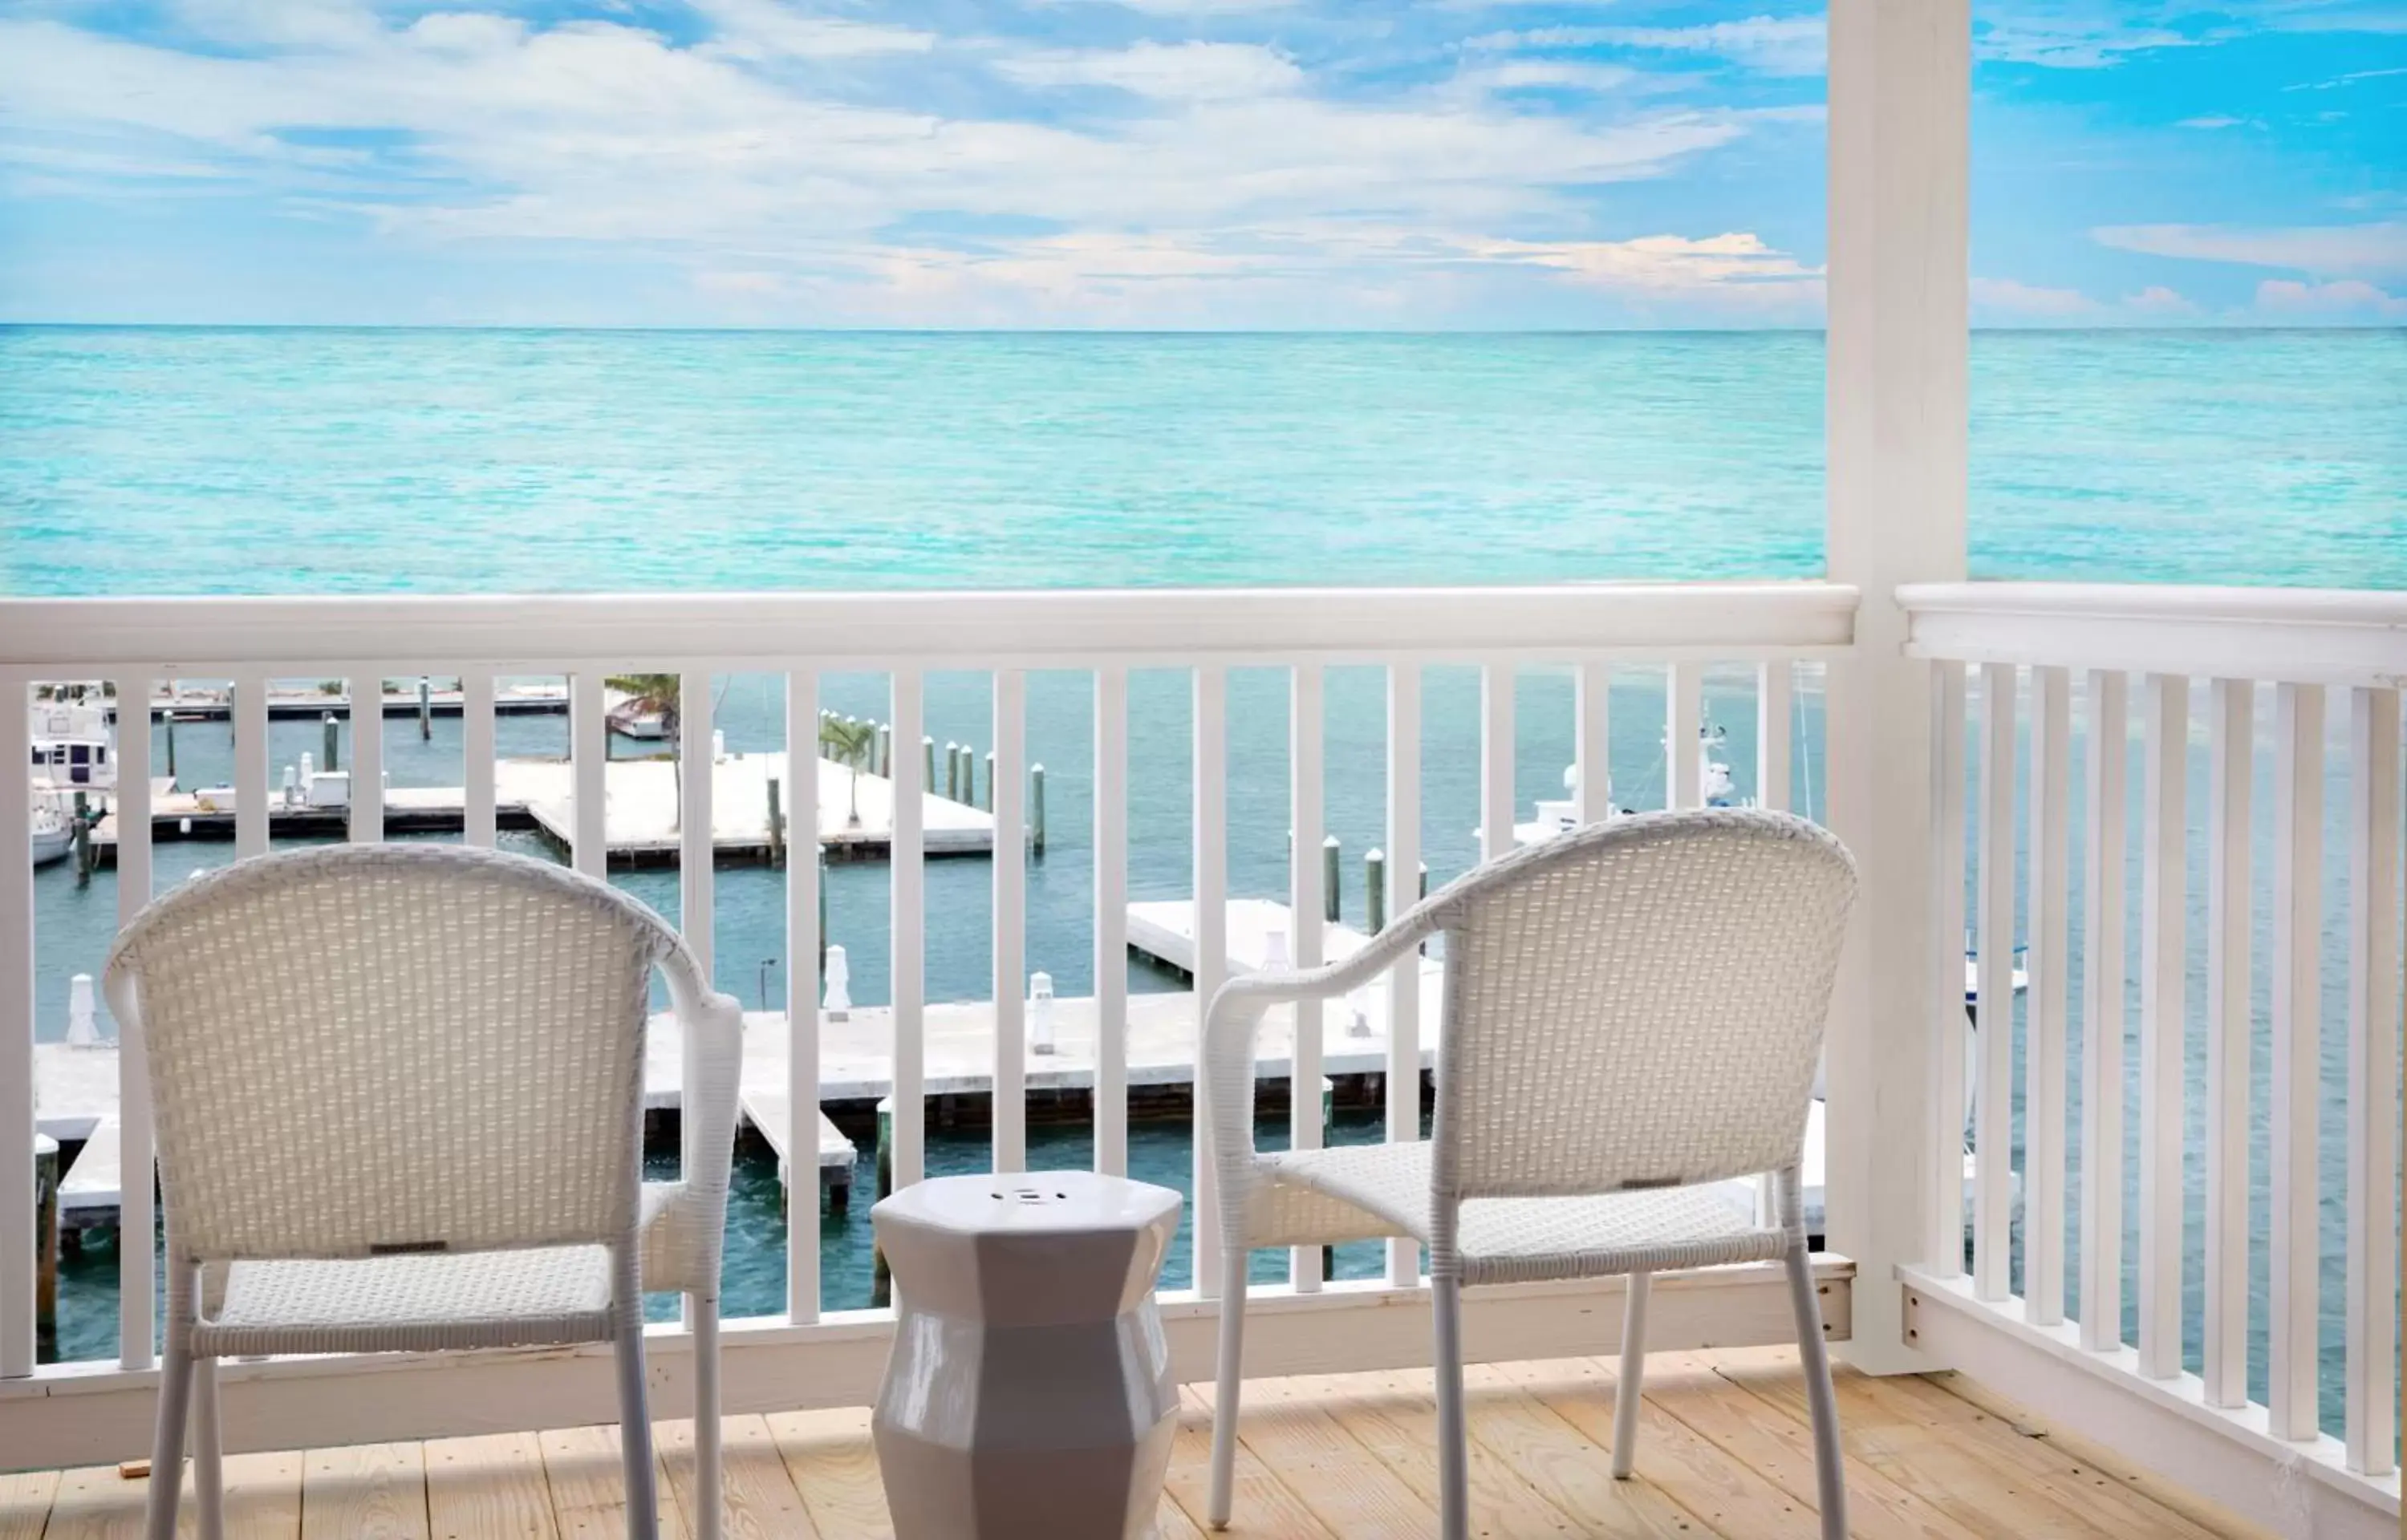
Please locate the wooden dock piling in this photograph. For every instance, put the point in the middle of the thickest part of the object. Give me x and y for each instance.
(1036, 809)
(1375, 891)
(83, 839)
(776, 828)
(1330, 854)
(331, 760)
(425, 709)
(989, 803)
(46, 1247)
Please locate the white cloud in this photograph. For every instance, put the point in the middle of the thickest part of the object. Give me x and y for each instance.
(1194, 9)
(2159, 302)
(2062, 44)
(2212, 121)
(2324, 250)
(2015, 299)
(2348, 299)
(1792, 45)
(770, 29)
(725, 158)
(1738, 258)
(1170, 71)
(1546, 74)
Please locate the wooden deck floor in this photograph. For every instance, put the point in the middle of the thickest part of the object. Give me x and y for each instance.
(1723, 1452)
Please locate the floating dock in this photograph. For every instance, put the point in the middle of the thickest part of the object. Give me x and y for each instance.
(641, 816)
(214, 705)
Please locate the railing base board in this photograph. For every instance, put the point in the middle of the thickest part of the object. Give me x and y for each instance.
(2225, 1455)
(93, 1414)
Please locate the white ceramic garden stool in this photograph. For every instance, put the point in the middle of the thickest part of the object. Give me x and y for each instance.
(1029, 1391)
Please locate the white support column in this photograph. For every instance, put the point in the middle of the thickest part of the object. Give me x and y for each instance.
(1899, 92)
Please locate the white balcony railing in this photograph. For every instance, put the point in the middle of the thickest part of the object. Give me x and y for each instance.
(2040, 1310)
(2176, 1386)
(76, 1412)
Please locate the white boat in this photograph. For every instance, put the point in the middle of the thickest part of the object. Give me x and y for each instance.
(628, 720)
(74, 746)
(54, 831)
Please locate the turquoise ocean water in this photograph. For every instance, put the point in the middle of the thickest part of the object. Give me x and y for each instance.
(176, 460)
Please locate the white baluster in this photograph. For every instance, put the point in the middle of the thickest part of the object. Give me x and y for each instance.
(1684, 697)
(368, 758)
(1307, 766)
(1947, 1148)
(2298, 1044)
(1010, 922)
(1404, 981)
(16, 1034)
(1592, 742)
(1993, 1170)
(136, 1222)
(1495, 777)
(588, 746)
(478, 823)
(1774, 702)
(2050, 892)
(2164, 877)
(908, 919)
(2372, 1383)
(1211, 830)
(2231, 740)
(1111, 920)
(803, 942)
(2103, 1091)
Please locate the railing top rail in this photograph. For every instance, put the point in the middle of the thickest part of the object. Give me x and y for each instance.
(193, 636)
(2335, 636)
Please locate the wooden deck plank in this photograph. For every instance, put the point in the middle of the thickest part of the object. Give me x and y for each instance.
(1394, 1416)
(25, 1504)
(368, 1491)
(761, 1501)
(1968, 1483)
(1780, 1448)
(1261, 1506)
(829, 1458)
(262, 1501)
(488, 1488)
(1348, 1487)
(1721, 1493)
(1562, 1461)
(588, 1489)
(1724, 1451)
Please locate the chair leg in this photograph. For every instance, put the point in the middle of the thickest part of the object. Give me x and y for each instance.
(1633, 1377)
(709, 1473)
(208, 1451)
(1453, 1432)
(1231, 1386)
(636, 1435)
(1813, 1357)
(167, 1445)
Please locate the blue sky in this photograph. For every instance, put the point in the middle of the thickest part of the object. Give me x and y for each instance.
(1157, 162)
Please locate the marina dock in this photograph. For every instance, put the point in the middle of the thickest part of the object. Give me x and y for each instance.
(289, 703)
(642, 817)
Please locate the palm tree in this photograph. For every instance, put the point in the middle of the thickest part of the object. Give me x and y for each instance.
(648, 694)
(851, 741)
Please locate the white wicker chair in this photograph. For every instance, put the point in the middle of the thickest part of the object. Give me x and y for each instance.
(399, 1101)
(1633, 1015)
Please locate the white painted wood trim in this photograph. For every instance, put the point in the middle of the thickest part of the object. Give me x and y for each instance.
(96, 1413)
(1993, 1090)
(2297, 1045)
(2225, 1455)
(588, 749)
(1775, 705)
(534, 633)
(2105, 850)
(2163, 916)
(2230, 752)
(1592, 741)
(907, 919)
(802, 986)
(1403, 1074)
(479, 827)
(1495, 681)
(1946, 1151)
(136, 1142)
(1307, 769)
(249, 708)
(2373, 1001)
(2049, 894)
(1010, 875)
(697, 863)
(17, 1128)
(368, 758)
(1684, 703)
(1111, 920)
(2323, 636)
(1211, 833)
